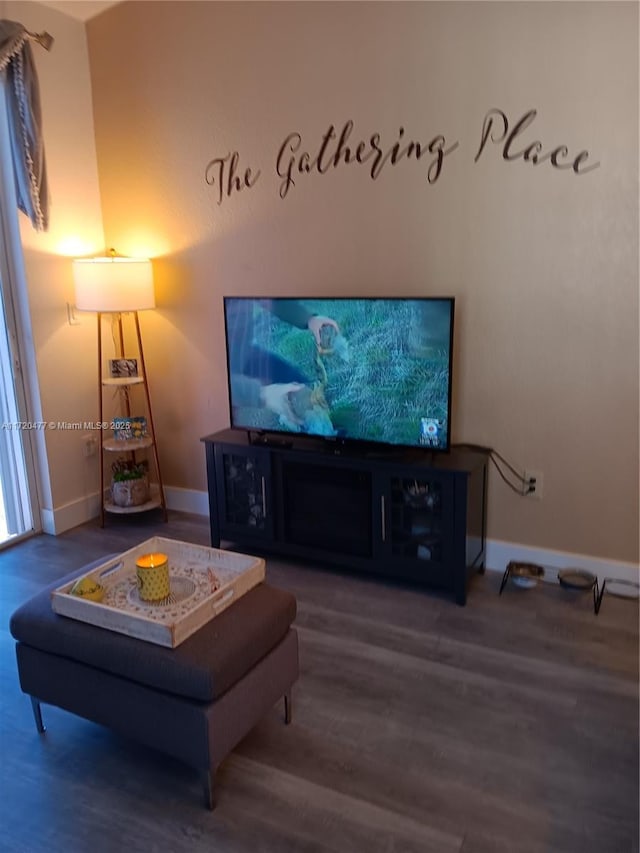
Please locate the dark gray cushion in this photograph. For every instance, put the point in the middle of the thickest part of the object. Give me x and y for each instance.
(203, 667)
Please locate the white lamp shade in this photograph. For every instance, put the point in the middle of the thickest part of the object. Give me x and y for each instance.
(113, 284)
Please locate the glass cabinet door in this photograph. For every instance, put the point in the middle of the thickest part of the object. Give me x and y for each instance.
(244, 490)
(416, 518)
(417, 521)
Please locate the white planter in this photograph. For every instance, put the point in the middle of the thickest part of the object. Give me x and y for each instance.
(130, 492)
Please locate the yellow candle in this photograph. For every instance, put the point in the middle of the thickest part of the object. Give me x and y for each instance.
(150, 561)
(152, 572)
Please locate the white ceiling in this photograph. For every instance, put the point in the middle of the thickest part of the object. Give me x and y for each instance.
(81, 10)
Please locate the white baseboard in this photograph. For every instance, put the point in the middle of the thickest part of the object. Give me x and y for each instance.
(55, 521)
(187, 500)
(498, 553)
(70, 515)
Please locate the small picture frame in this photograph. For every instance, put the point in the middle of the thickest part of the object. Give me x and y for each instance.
(128, 429)
(123, 367)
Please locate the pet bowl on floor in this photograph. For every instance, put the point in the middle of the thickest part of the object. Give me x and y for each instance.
(579, 579)
(621, 588)
(525, 575)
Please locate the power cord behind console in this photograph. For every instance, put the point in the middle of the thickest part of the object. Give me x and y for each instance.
(523, 486)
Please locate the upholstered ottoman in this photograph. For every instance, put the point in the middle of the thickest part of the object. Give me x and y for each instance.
(194, 702)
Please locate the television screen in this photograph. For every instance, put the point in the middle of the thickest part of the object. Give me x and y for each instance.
(351, 369)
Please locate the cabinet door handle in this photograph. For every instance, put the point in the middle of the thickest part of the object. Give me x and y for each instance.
(264, 497)
(384, 527)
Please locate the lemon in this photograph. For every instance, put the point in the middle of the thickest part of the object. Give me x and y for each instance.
(87, 588)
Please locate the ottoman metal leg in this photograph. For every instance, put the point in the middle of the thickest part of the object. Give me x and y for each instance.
(287, 707)
(37, 714)
(208, 778)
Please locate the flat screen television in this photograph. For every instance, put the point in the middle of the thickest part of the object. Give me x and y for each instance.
(357, 369)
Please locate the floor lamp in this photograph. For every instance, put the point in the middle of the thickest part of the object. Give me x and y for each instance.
(115, 285)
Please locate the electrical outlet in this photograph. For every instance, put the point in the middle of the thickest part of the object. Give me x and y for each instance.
(533, 484)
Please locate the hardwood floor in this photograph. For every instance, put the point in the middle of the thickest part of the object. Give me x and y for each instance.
(506, 726)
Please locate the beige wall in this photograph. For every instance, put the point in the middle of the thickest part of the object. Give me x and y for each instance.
(543, 263)
(65, 354)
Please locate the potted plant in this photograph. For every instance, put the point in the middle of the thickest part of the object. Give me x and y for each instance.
(129, 482)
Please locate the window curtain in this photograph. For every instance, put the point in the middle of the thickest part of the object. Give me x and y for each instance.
(25, 120)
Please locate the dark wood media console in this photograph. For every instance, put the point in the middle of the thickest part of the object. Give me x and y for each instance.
(403, 514)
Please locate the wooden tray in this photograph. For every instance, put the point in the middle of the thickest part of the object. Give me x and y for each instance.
(204, 582)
